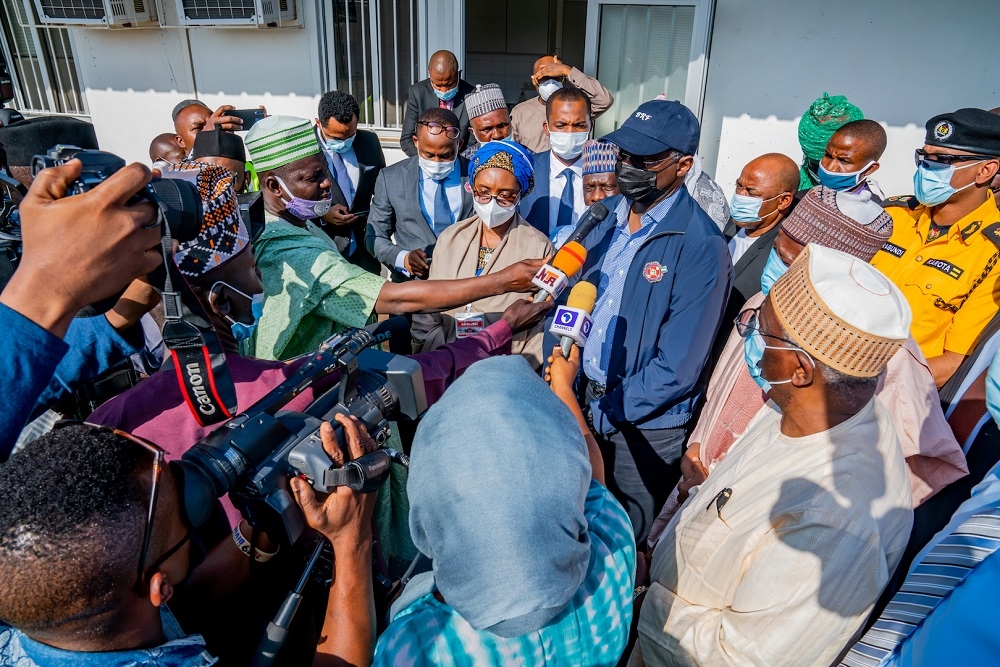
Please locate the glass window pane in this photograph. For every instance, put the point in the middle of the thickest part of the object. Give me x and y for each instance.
(643, 51)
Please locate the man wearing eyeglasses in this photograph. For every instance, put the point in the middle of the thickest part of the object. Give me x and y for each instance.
(418, 198)
(87, 566)
(663, 274)
(945, 243)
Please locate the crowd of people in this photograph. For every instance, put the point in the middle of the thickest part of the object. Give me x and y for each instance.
(778, 444)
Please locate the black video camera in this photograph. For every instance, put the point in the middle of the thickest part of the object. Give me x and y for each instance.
(253, 455)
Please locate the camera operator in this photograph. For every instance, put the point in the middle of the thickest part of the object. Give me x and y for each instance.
(229, 286)
(85, 577)
(95, 344)
(61, 272)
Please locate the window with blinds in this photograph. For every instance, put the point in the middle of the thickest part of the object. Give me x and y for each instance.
(643, 51)
(40, 61)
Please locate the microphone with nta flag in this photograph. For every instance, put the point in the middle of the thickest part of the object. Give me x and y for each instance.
(572, 322)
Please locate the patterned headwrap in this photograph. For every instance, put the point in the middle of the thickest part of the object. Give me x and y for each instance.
(599, 157)
(507, 155)
(825, 116)
(223, 233)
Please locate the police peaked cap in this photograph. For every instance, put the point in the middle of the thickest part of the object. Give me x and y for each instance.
(973, 130)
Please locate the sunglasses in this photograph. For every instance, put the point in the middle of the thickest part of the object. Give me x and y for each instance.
(437, 128)
(143, 573)
(921, 156)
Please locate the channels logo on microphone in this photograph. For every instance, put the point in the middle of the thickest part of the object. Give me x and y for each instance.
(573, 323)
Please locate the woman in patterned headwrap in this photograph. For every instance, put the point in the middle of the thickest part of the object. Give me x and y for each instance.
(500, 173)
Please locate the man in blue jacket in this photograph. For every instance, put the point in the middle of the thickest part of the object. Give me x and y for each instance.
(663, 273)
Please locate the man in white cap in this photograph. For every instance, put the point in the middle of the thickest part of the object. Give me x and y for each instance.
(312, 290)
(782, 554)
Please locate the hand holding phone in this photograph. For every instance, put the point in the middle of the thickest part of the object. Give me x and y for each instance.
(248, 116)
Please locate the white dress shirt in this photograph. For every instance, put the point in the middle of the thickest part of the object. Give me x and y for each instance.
(556, 185)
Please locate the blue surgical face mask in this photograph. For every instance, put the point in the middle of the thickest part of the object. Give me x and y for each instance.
(841, 181)
(241, 330)
(446, 95)
(753, 354)
(509, 139)
(744, 208)
(773, 270)
(340, 145)
(932, 184)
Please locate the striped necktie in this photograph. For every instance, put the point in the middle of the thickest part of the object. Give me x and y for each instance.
(567, 200)
(942, 570)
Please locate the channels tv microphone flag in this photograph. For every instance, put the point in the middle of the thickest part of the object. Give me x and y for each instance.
(572, 322)
(551, 279)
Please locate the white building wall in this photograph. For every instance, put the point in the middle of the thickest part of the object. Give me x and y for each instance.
(900, 61)
(133, 78)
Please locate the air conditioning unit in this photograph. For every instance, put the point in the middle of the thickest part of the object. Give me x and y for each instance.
(239, 13)
(98, 13)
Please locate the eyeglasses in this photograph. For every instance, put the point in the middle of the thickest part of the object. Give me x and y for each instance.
(450, 131)
(159, 457)
(505, 199)
(920, 156)
(748, 321)
(642, 162)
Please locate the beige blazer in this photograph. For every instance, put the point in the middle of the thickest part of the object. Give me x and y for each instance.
(456, 256)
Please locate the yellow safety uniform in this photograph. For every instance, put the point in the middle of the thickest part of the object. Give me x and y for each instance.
(951, 283)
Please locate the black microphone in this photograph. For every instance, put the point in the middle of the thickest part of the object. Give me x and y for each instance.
(592, 217)
(395, 330)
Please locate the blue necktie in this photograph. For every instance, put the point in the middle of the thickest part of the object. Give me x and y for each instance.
(343, 178)
(565, 216)
(442, 209)
(939, 572)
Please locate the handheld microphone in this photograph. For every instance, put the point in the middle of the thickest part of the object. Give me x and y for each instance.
(551, 279)
(592, 217)
(572, 322)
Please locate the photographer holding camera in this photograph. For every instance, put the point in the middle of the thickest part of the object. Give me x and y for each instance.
(86, 569)
(60, 273)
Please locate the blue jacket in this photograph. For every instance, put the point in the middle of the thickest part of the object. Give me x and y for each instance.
(38, 368)
(657, 372)
(534, 206)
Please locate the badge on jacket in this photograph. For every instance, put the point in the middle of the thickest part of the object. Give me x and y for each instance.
(653, 272)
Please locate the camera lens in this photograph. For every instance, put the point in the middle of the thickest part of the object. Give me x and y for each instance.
(182, 206)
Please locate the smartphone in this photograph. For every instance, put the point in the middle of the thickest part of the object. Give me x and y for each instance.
(361, 214)
(248, 116)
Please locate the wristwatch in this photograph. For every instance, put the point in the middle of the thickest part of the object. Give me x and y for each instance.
(588, 416)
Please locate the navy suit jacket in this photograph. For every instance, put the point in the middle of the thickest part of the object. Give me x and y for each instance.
(534, 206)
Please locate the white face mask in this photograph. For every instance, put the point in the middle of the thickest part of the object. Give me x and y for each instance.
(493, 214)
(548, 87)
(568, 145)
(435, 170)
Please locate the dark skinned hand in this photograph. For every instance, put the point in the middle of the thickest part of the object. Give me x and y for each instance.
(416, 263)
(553, 70)
(518, 276)
(523, 314)
(339, 215)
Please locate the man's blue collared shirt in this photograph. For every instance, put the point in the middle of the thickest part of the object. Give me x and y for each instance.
(180, 650)
(613, 274)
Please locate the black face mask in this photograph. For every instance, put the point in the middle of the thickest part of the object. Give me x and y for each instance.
(638, 185)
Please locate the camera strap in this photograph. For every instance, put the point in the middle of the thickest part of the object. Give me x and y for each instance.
(197, 354)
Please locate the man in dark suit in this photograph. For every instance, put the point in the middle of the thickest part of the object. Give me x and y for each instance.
(416, 199)
(355, 159)
(442, 89)
(765, 195)
(556, 201)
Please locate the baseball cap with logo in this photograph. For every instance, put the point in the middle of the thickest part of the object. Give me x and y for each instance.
(657, 126)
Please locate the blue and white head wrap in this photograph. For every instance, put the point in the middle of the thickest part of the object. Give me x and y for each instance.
(507, 155)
